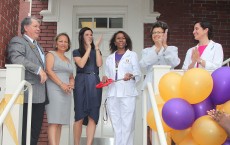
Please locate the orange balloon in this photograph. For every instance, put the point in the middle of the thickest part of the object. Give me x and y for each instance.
(225, 107)
(169, 86)
(159, 99)
(196, 85)
(218, 107)
(151, 119)
(179, 135)
(188, 141)
(205, 131)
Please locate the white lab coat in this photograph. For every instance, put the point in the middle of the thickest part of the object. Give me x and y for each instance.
(127, 64)
(169, 56)
(121, 96)
(212, 55)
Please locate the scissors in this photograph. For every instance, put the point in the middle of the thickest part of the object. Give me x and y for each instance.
(109, 81)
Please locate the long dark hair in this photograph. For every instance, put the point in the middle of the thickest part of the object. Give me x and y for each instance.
(81, 40)
(113, 47)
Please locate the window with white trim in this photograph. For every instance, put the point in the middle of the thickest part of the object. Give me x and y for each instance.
(100, 22)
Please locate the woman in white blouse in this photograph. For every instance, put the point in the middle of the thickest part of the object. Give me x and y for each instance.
(123, 64)
(206, 54)
(160, 53)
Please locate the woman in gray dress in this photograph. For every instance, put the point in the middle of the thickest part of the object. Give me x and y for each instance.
(59, 87)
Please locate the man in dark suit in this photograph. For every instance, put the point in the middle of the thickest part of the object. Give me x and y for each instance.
(26, 51)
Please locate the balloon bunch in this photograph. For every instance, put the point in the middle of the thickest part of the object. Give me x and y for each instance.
(187, 98)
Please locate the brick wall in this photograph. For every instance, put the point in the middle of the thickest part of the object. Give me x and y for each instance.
(48, 29)
(181, 15)
(48, 32)
(23, 12)
(9, 12)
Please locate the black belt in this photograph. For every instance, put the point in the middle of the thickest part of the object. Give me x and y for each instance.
(86, 73)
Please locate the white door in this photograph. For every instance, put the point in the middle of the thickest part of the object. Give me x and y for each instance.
(104, 128)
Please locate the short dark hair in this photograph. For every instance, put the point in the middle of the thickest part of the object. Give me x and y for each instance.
(159, 24)
(63, 34)
(27, 21)
(205, 24)
(113, 47)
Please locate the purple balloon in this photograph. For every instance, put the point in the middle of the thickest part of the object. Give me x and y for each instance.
(201, 108)
(178, 114)
(227, 142)
(221, 85)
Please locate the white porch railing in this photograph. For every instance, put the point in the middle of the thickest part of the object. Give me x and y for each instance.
(226, 62)
(157, 117)
(11, 103)
(151, 89)
(12, 83)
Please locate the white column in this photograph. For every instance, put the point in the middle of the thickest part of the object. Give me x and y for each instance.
(2, 83)
(14, 75)
(64, 24)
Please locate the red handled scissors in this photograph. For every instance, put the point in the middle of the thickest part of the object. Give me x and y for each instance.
(109, 81)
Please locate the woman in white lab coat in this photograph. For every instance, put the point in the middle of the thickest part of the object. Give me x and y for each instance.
(206, 54)
(121, 95)
(160, 53)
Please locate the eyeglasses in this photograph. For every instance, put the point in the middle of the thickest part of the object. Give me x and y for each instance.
(154, 33)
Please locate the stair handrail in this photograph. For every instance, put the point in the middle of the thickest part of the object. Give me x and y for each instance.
(160, 130)
(227, 61)
(11, 103)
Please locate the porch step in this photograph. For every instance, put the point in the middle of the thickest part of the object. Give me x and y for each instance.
(98, 141)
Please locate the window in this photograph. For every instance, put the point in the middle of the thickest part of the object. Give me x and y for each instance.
(100, 22)
(115, 23)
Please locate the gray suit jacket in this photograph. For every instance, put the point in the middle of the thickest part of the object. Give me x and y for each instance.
(22, 51)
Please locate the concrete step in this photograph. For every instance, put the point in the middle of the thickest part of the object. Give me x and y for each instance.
(98, 141)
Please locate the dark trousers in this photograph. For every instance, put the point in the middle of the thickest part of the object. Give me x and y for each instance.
(36, 122)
